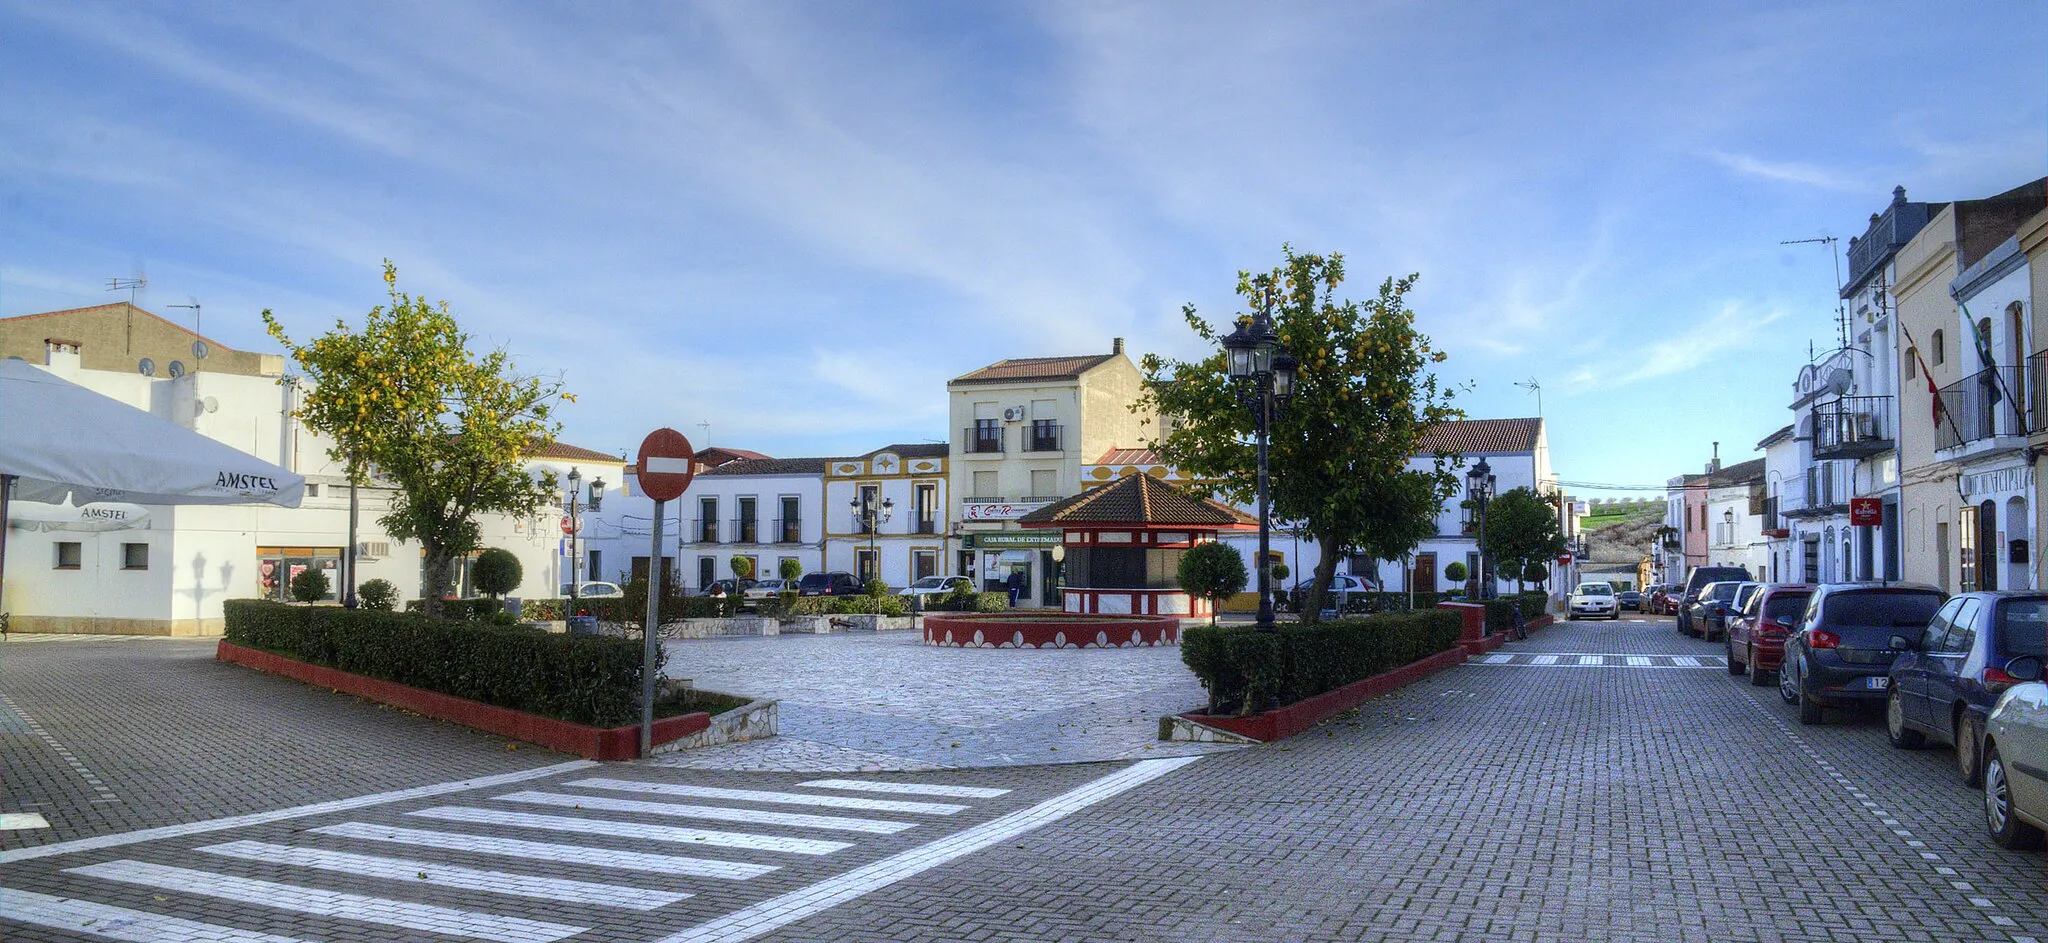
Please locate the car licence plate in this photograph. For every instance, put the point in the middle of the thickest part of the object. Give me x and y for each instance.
(1879, 683)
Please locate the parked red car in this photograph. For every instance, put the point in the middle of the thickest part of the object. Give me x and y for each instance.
(1756, 635)
(1659, 603)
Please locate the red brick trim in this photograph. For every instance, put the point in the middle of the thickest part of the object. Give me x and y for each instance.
(596, 743)
(1051, 630)
(1301, 715)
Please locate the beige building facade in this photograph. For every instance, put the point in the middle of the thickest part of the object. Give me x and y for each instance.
(122, 338)
(1021, 430)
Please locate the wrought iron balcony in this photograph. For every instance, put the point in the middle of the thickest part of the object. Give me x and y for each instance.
(1043, 437)
(746, 530)
(1984, 405)
(1853, 427)
(789, 531)
(705, 530)
(981, 439)
(2036, 399)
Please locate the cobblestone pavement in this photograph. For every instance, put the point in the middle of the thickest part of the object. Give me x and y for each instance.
(101, 735)
(886, 701)
(1592, 797)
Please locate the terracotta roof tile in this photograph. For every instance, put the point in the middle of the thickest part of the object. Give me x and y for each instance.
(1138, 499)
(1482, 435)
(1129, 457)
(562, 451)
(768, 466)
(916, 450)
(1035, 368)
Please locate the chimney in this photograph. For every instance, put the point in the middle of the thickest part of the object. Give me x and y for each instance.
(1714, 464)
(60, 354)
(1116, 345)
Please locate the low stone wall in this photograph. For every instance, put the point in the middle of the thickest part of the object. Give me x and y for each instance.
(755, 721)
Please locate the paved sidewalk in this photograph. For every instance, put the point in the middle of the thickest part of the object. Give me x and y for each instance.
(888, 701)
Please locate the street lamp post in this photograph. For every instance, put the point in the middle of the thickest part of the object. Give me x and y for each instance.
(574, 504)
(870, 518)
(1728, 518)
(1479, 485)
(1262, 373)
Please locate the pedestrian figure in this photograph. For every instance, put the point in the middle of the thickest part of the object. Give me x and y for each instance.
(1017, 582)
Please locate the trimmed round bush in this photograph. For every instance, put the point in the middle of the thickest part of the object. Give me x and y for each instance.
(379, 595)
(310, 585)
(496, 571)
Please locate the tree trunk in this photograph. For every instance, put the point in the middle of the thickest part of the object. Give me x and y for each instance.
(434, 582)
(1326, 569)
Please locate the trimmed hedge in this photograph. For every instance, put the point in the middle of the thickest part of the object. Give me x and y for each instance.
(1245, 670)
(626, 610)
(967, 602)
(585, 679)
(1500, 613)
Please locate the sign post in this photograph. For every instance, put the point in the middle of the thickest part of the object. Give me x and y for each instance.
(667, 463)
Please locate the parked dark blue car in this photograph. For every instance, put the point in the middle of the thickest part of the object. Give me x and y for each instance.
(1842, 651)
(1949, 677)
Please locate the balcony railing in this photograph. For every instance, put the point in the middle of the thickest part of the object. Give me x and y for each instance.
(1043, 437)
(1983, 405)
(2037, 391)
(1852, 427)
(706, 531)
(746, 530)
(790, 531)
(982, 440)
(927, 526)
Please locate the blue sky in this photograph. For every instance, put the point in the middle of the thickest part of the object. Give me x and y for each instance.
(796, 221)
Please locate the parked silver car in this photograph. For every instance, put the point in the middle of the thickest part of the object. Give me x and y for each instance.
(2016, 759)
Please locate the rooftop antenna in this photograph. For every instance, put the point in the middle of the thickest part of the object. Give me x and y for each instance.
(1536, 388)
(199, 348)
(1841, 310)
(706, 426)
(129, 285)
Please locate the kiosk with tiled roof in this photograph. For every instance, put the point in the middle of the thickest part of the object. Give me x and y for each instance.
(1123, 543)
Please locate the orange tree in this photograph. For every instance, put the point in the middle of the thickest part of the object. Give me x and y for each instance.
(1340, 459)
(451, 430)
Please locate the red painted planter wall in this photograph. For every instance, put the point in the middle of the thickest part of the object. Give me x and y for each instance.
(596, 743)
(1055, 632)
(1301, 715)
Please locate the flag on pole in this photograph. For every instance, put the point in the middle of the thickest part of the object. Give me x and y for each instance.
(1933, 392)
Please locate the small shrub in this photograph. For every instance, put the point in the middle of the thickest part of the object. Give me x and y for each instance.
(496, 571)
(1456, 572)
(742, 567)
(790, 569)
(876, 588)
(1212, 571)
(310, 586)
(378, 595)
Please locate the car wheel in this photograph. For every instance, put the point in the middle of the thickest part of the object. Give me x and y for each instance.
(1895, 729)
(1811, 713)
(1734, 667)
(2005, 826)
(1787, 691)
(1756, 675)
(1969, 742)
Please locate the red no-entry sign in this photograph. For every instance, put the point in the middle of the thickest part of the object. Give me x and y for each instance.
(667, 463)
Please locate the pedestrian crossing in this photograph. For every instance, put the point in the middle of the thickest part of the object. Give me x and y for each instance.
(1533, 660)
(490, 850)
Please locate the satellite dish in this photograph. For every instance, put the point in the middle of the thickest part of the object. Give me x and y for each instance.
(199, 350)
(146, 367)
(177, 369)
(210, 404)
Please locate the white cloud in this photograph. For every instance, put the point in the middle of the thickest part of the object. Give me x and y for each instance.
(1804, 174)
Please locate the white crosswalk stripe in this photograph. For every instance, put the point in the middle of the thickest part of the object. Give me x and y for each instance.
(908, 789)
(719, 813)
(665, 833)
(1545, 660)
(85, 918)
(395, 913)
(783, 798)
(445, 875)
(549, 851)
(1637, 661)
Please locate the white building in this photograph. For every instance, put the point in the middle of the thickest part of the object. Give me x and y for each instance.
(887, 513)
(764, 509)
(166, 570)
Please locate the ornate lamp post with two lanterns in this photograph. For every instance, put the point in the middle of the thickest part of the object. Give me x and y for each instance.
(1479, 487)
(1262, 373)
(571, 503)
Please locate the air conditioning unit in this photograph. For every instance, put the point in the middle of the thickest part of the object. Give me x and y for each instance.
(1013, 414)
(373, 549)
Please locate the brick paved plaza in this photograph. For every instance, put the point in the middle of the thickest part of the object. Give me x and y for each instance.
(1586, 796)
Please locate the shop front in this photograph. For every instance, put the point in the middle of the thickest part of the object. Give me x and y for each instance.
(1031, 558)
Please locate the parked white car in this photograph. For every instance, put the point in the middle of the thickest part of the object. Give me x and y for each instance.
(1595, 599)
(2014, 751)
(765, 589)
(594, 590)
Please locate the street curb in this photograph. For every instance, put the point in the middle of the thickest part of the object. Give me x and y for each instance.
(1280, 723)
(594, 743)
